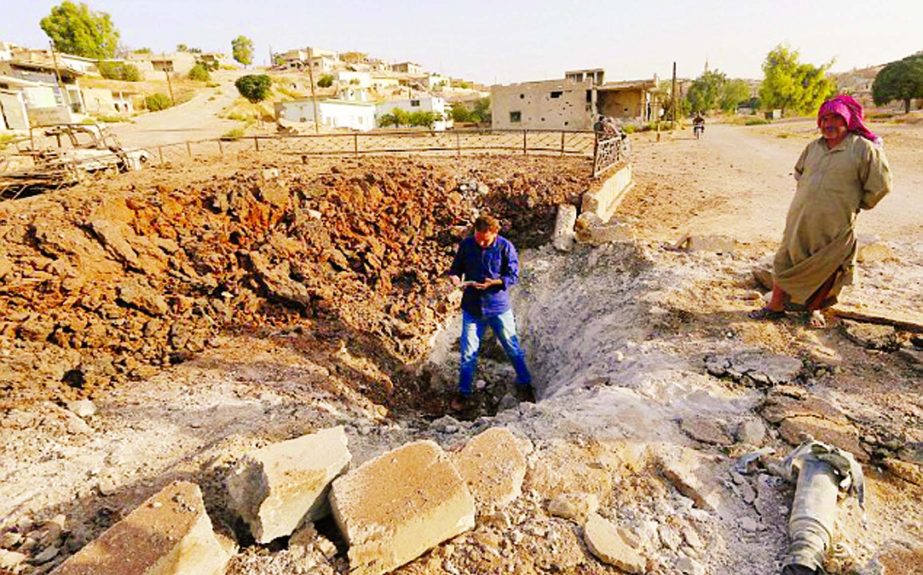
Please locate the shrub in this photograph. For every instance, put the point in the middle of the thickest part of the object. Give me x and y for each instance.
(235, 134)
(254, 87)
(119, 71)
(756, 122)
(157, 102)
(199, 73)
(325, 81)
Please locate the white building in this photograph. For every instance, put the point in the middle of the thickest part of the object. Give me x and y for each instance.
(333, 113)
(357, 79)
(437, 81)
(423, 103)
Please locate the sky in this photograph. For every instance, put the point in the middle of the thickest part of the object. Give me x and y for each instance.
(520, 40)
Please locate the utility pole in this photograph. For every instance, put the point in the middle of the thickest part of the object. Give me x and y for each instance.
(271, 63)
(166, 71)
(313, 94)
(675, 103)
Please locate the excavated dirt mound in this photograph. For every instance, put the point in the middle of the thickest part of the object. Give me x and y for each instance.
(107, 285)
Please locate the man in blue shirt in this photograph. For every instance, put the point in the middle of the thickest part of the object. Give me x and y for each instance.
(490, 267)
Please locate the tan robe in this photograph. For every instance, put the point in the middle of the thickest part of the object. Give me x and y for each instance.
(820, 229)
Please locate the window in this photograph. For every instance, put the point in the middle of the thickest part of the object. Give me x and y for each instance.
(415, 103)
(515, 117)
(556, 94)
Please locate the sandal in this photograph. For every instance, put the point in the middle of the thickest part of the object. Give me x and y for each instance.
(767, 314)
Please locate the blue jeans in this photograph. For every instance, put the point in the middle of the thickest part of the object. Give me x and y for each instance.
(504, 328)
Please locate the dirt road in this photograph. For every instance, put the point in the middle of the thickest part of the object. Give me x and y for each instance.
(737, 181)
(196, 119)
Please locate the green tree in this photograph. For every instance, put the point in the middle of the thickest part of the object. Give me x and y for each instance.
(683, 109)
(242, 50)
(199, 72)
(423, 119)
(141, 51)
(460, 113)
(254, 87)
(733, 94)
(792, 86)
(396, 118)
(481, 111)
(353, 57)
(157, 102)
(182, 48)
(901, 80)
(119, 71)
(325, 81)
(75, 29)
(705, 92)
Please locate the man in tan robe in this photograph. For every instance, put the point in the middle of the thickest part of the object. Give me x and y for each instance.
(839, 174)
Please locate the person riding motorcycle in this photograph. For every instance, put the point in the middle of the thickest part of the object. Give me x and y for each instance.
(698, 125)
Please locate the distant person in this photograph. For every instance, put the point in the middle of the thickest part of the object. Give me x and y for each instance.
(839, 174)
(490, 266)
(698, 124)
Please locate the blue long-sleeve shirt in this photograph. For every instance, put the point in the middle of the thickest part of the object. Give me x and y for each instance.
(476, 264)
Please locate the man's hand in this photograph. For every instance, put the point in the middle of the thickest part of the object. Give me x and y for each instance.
(486, 284)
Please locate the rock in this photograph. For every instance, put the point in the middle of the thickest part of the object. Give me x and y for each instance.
(275, 488)
(398, 505)
(755, 367)
(692, 475)
(751, 432)
(875, 253)
(705, 430)
(779, 406)
(10, 539)
(143, 298)
(508, 401)
(749, 524)
(11, 560)
(443, 423)
(687, 566)
(6, 266)
(872, 336)
(169, 534)
(82, 408)
(763, 277)
(796, 429)
(606, 542)
(563, 236)
(46, 555)
(493, 467)
(590, 229)
(914, 357)
(669, 536)
(909, 472)
(111, 237)
(708, 243)
(692, 537)
(574, 506)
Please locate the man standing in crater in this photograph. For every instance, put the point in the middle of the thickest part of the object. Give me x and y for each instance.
(490, 267)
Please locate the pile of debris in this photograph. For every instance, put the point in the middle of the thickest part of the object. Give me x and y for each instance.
(102, 286)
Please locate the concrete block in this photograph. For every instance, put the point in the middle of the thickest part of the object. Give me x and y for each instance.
(277, 487)
(563, 237)
(493, 467)
(605, 197)
(591, 229)
(574, 506)
(607, 543)
(694, 476)
(395, 507)
(169, 534)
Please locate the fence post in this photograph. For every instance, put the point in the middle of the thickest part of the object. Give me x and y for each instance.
(188, 149)
(525, 149)
(458, 143)
(160, 153)
(562, 142)
(356, 144)
(220, 147)
(256, 143)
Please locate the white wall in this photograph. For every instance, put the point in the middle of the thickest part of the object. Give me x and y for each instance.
(421, 104)
(362, 79)
(334, 114)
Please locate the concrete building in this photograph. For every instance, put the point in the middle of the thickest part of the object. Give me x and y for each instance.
(631, 101)
(358, 79)
(421, 103)
(333, 113)
(382, 81)
(548, 105)
(407, 68)
(595, 75)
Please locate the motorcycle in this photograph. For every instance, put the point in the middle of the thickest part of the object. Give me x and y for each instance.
(698, 130)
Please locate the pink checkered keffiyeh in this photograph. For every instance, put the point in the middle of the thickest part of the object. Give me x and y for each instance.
(850, 110)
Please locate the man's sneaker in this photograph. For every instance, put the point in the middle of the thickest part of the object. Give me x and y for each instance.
(461, 402)
(525, 393)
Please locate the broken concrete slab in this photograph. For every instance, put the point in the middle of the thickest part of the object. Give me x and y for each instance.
(275, 488)
(493, 467)
(560, 467)
(169, 534)
(904, 319)
(779, 406)
(591, 230)
(873, 336)
(795, 430)
(574, 506)
(693, 475)
(751, 432)
(605, 541)
(563, 237)
(707, 243)
(395, 507)
(706, 430)
(754, 367)
(604, 198)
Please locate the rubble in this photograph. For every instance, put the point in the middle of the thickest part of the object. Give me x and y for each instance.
(563, 236)
(754, 367)
(605, 541)
(395, 507)
(574, 506)
(170, 532)
(493, 467)
(276, 488)
(692, 475)
(872, 336)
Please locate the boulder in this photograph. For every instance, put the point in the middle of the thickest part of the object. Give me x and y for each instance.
(277, 487)
(397, 506)
(706, 430)
(607, 543)
(574, 506)
(169, 534)
(563, 237)
(493, 467)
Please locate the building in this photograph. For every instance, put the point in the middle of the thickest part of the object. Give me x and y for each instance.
(334, 114)
(572, 103)
(548, 105)
(382, 81)
(408, 68)
(358, 79)
(421, 103)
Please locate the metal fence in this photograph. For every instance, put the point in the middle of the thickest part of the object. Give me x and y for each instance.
(609, 152)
